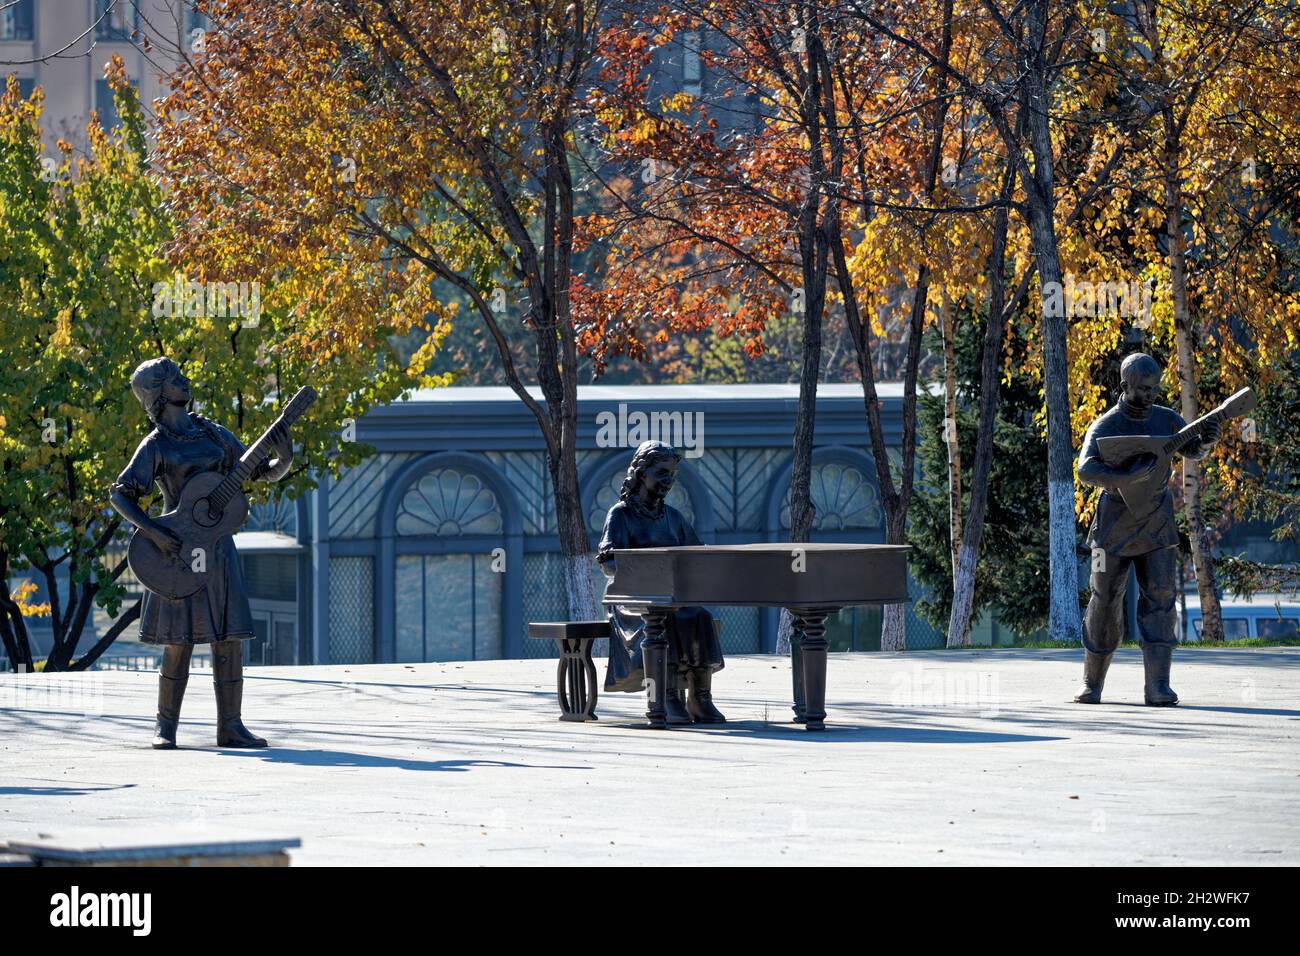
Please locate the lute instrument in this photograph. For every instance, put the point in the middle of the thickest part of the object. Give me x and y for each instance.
(1120, 450)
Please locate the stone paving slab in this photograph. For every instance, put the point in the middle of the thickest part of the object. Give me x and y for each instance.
(931, 757)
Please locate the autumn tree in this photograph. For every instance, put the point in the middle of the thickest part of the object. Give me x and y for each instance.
(86, 294)
(335, 143)
(1198, 203)
(759, 201)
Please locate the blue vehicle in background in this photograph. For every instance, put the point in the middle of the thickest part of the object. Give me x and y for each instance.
(1267, 616)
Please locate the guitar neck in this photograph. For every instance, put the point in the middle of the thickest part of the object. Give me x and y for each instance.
(260, 450)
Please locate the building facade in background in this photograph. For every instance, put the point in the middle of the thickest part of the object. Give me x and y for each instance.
(62, 46)
(442, 545)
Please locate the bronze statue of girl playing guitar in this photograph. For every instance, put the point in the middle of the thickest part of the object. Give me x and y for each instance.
(185, 448)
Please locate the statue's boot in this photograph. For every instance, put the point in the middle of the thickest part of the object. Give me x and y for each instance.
(1094, 676)
(228, 680)
(700, 702)
(173, 675)
(675, 702)
(1156, 660)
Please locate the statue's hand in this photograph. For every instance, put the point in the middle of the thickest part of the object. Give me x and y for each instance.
(165, 540)
(1211, 432)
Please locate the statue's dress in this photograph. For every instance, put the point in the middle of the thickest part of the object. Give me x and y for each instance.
(219, 611)
(692, 638)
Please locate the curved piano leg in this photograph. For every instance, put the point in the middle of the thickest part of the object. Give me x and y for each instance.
(654, 658)
(810, 625)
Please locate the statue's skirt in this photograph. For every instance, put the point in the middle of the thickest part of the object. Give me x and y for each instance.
(692, 642)
(217, 612)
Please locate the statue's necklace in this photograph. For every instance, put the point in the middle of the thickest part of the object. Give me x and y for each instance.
(194, 434)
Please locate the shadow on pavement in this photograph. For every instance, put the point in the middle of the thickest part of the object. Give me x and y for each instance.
(845, 733)
(58, 791)
(339, 758)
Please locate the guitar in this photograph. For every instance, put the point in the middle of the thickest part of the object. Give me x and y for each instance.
(1119, 450)
(210, 507)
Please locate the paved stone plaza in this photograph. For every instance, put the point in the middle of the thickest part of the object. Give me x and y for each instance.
(931, 758)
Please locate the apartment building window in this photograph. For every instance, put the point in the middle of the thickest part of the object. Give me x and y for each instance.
(18, 20)
(106, 105)
(116, 19)
(195, 19)
(692, 68)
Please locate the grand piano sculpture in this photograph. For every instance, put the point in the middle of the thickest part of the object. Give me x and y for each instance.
(812, 581)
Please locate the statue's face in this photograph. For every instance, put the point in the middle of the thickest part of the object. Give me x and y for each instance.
(177, 389)
(1141, 390)
(658, 478)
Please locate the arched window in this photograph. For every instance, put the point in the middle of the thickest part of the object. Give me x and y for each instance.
(449, 525)
(844, 495)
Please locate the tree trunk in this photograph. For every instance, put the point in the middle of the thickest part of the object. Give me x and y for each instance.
(893, 622)
(1063, 614)
(963, 592)
(1202, 559)
(575, 557)
(13, 629)
(815, 230)
(951, 438)
(129, 617)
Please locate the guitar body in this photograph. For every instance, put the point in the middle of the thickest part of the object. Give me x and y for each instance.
(201, 527)
(198, 530)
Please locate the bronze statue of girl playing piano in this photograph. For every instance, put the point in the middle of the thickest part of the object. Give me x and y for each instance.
(641, 519)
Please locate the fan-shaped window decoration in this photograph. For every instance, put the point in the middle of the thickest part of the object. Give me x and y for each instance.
(449, 503)
(608, 494)
(280, 516)
(843, 496)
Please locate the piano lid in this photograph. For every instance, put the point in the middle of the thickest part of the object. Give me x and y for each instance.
(761, 575)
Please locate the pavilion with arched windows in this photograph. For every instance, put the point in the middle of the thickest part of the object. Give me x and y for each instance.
(442, 545)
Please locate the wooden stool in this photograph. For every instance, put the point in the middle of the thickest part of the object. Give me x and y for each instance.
(575, 677)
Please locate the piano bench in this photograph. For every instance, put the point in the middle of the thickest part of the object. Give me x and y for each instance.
(575, 677)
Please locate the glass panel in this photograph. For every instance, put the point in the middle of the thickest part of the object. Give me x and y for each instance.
(448, 607)
(194, 20)
(271, 577)
(738, 629)
(116, 23)
(691, 71)
(449, 503)
(256, 650)
(16, 20)
(854, 629)
(487, 609)
(410, 608)
(1278, 627)
(105, 105)
(545, 598)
